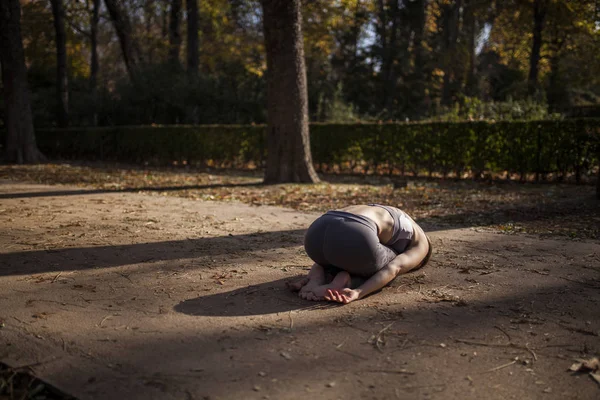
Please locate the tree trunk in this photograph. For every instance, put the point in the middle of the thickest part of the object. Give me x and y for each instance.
(62, 80)
(471, 31)
(122, 26)
(94, 66)
(419, 18)
(392, 52)
(555, 95)
(289, 157)
(20, 137)
(598, 182)
(149, 19)
(164, 5)
(174, 32)
(193, 44)
(388, 12)
(451, 15)
(539, 15)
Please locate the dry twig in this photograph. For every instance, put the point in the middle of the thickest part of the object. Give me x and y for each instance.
(502, 366)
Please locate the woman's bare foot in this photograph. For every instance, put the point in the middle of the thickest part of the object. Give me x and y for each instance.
(315, 277)
(297, 284)
(318, 292)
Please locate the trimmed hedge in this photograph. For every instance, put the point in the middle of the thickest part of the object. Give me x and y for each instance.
(522, 147)
(214, 144)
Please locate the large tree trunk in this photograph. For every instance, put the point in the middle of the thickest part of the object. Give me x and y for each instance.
(174, 32)
(122, 26)
(94, 65)
(193, 43)
(62, 80)
(539, 16)
(20, 137)
(289, 158)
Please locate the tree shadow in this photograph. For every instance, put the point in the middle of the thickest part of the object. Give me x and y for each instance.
(583, 208)
(69, 192)
(82, 258)
(265, 298)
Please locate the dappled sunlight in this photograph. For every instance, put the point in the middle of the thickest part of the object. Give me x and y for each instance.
(167, 295)
(555, 210)
(388, 340)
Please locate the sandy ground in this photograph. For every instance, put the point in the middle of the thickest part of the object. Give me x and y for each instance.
(137, 296)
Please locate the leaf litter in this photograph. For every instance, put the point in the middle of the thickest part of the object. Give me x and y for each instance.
(511, 208)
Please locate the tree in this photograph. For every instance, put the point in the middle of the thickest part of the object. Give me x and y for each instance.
(174, 32)
(389, 22)
(124, 31)
(289, 158)
(419, 18)
(598, 185)
(539, 16)
(95, 16)
(192, 37)
(451, 29)
(21, 146)
(62, 80)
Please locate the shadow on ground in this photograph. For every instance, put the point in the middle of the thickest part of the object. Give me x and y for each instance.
(265, 298)
(82, 258)
(80, 192)
(484, 336)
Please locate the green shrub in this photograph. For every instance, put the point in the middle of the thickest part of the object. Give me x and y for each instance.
(559, 147)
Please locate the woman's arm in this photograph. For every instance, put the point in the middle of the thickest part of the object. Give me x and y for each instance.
(401, 264)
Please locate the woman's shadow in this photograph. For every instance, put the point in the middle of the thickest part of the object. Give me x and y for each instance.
(265, 298)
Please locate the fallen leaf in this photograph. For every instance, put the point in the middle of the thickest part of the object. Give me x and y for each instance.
(576, 367)
(591, 364)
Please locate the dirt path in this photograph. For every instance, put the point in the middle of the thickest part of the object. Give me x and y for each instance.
(125, 295)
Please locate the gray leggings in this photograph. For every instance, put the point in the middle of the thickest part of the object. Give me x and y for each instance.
(347, 241)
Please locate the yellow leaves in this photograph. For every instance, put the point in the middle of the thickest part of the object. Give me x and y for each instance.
(78, 65)
(256, 70)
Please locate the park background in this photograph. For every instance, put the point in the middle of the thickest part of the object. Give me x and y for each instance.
(464, 88)
(155, 193)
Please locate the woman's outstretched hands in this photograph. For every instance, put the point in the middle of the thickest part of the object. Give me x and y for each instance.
(343, 296)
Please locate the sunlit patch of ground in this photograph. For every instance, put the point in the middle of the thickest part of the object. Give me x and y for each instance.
(546, 209)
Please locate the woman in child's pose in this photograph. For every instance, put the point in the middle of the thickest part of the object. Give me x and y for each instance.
(358, 250)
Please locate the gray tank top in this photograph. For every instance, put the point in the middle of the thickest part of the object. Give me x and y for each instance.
(403, 232)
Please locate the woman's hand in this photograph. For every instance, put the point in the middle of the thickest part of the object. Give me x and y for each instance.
(343, 296)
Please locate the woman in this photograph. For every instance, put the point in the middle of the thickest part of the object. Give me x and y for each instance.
(358, 250)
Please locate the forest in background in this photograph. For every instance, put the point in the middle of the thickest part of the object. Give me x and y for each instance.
(203, 62)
